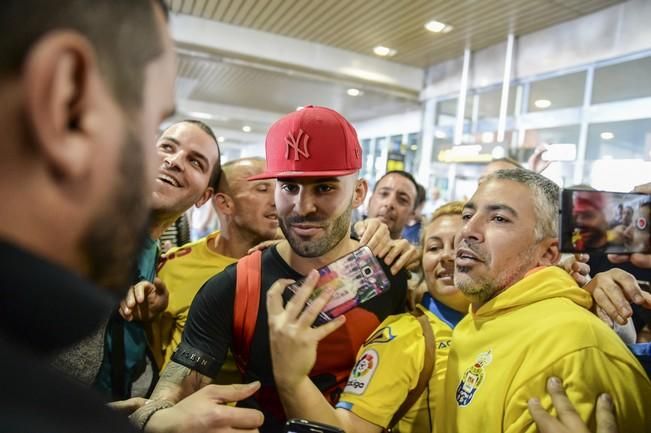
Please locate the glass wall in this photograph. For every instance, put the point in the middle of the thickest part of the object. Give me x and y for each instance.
(558, 92)
(603, 139)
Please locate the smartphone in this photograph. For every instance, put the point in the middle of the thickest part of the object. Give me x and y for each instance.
(304, 426)
(356, 278)
(605, 222)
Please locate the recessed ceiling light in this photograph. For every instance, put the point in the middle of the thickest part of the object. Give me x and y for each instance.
(353, 92)
(607, 135)
(542, 103)
(437, 27)
(246, 128)
(384, 51)
(220, 139)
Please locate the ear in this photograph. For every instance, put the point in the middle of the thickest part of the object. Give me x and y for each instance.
(361, 188)
(204, 197)
(223, 204)
(551, 252)
(58, 77)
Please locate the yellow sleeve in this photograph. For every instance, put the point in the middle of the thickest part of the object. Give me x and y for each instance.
(585, 375)
(385, 371)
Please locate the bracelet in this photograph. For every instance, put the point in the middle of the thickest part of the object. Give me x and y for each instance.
(142, 416)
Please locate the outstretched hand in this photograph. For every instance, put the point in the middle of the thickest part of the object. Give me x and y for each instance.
(144, 301)
(292, 338)
(613, 291)
(397, 253)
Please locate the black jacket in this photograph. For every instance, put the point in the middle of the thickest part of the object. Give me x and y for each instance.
(45, 308)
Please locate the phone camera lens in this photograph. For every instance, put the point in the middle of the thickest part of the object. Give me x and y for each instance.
(367, 271)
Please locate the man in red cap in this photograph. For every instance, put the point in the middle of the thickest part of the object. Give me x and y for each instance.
(315, 156)
(591, 225)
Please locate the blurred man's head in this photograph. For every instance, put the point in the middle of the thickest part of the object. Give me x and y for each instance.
(315, 156)
(81, 103)
(438, 255)
(247, 205)
(627, 216)
(510, 227)
(590, 219)
(394, 200)
(189, 168)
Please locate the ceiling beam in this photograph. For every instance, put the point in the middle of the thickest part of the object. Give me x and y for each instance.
(268, 48)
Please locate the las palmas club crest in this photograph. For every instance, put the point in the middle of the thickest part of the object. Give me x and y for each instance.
(472, 379)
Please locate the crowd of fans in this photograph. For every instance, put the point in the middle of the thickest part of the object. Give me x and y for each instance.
(485, 326)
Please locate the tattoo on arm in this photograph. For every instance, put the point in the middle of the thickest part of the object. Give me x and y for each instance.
(177, 382)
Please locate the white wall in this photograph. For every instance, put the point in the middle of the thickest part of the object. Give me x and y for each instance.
(386, 126)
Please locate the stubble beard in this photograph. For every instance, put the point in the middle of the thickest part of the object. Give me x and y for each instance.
(335, 232)
(118, 233)
(482, 289)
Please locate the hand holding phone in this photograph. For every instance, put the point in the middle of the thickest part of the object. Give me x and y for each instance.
(354, 279)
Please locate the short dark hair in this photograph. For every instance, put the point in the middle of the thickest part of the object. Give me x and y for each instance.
(217, 169)
(123, 33)
(404, 174)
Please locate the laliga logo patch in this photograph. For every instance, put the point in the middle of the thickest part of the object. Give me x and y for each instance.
(383, 335)
(641, 223)
(472, 379)
(361, 375)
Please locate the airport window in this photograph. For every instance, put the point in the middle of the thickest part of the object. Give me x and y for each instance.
(558, 92)
(627, 80)
(630, 139)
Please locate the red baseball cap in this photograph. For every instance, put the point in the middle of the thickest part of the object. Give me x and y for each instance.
(312, 142)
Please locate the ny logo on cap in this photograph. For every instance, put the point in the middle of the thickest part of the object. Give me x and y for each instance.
(295, 143)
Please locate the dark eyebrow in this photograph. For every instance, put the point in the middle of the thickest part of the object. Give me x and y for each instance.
(470, 205)
(201, 157)
(172, 139)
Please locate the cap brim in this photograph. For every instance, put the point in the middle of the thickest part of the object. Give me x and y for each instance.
(292, 174)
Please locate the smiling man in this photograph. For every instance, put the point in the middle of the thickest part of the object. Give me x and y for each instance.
(529, 320)
(188, 173)
(394, 200)
(315, 157)
(247, 217)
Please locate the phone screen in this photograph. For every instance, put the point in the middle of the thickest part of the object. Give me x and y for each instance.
(606, 222)
(356, 278)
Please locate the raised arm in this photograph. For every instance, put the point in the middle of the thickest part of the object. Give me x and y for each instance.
(293, 352)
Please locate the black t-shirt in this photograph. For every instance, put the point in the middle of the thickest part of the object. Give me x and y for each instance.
(208, 331)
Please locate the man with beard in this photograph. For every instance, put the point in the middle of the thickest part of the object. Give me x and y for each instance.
(188, 174)
(80, 104)
(394, 201)
(529, 320)
(315, 157)
(590, 220)
(247, 217)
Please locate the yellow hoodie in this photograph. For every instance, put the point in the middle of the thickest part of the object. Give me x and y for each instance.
(503, 353)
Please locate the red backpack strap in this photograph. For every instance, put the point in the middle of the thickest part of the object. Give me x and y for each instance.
(245, 308)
